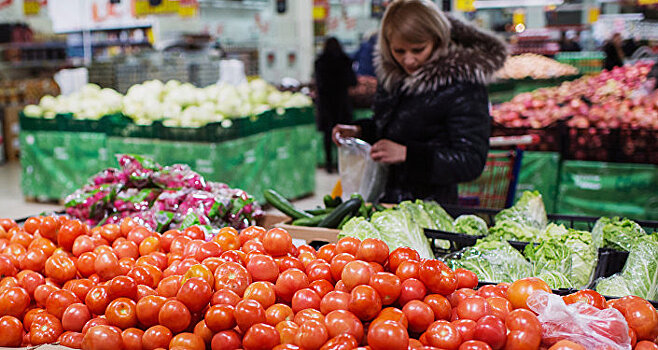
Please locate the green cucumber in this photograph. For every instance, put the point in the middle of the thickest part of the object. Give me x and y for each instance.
(314, 221)
(319, 211)
(334, 218)
(331, 202)
(344, 221)
(284, 205)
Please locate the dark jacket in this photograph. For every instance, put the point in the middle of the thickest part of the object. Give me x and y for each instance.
(364, 57)
(333, 75)
(612, 58)
(441, 113)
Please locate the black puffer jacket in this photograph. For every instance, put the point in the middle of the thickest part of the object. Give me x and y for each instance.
(441, 113)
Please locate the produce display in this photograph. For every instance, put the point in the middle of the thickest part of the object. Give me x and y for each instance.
(611, 99)
(123, 286)
(534, 66)
(173, 102)
(160, 198)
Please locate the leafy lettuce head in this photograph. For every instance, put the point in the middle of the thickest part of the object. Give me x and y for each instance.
(471, 225)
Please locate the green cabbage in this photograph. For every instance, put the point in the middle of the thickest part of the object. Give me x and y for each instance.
(360, 228)
(439, 216)
(528, 211)
(398, 229)
(555, 279)
(616, 233)
(549, 256)
(418, 213)
(640, 274)
(513, 231)
(584, 256)
(493, 261)
(471, 225)
(613, 286)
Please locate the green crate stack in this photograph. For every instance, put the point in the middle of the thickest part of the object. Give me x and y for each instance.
(586, 61)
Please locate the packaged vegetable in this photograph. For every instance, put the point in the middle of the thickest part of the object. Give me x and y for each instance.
(551, 256)
(584, 256)
(639, 276)
(581, 323)
(471, 225)
(360, 228)
(439, 216)
(528, 211)
(398, 229)
(492, 261)
(616, 233)
(513, 231)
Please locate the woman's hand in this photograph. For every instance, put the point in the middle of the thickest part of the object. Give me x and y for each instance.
(388, 152)
(343, 131)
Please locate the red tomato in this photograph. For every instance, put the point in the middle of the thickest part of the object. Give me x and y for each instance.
(148, 309)
(60, 268)
(174, 315)
(466, 328)
(500, 307)
(373, 250)
(349, 245)
(365, 302)
(226, 340)
(227, 239)
(587, 296)
(220, 317)
(200, 271)
(491, 330)
(102, 338)
(122, 286)
(204, 332)
(98, 321)
(121, 313)
(566, 345)
(388, 335)
(278, 313)
(311, 335)
(248, 313)
(250, 233)
(305, 299)
(338, 262)
(260, 337)
(225, 296)
(466, 279)
(473, 308)
(411, 289)
(640, 315)
(340, 342)
(520, 290)
(387, 285)
(289, 282)
(442, 334)
(335, 300)
(277, 242)
(232, 276)
(327, 252)
(308, 314)
(11, 331)
(156, 337)
(523, 320)
(438, 277)
(343, 322)
(419, 314)
(187, 341)
(58, 301)
(107, 265)
(85, 264)
(523, 340)
(68, 233)
(263, 268)
(474, 345)
(262, 292)
(71, 340)
(319, 270)
(132, 339)
(402, 254)
(75, 317)
(80, 287)
(45, 328)
(408, 269)
(440, 305)
(646, 345)
(322, 287)
(356, 273)
(195, 294)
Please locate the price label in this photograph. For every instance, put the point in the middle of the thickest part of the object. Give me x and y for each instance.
(31, 7)
(647, 2)
(465, 5)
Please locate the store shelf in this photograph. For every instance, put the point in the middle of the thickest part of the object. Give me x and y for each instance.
(37, 64)
(116, 43)
(140, 26)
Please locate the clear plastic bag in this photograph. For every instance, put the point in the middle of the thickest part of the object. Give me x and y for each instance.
(580, 323)
(358, 172)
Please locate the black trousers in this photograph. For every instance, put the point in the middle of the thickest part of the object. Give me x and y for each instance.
(328, 150)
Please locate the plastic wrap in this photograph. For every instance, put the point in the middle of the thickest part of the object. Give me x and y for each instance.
(441, 218)
(640, 274)
(580, 323)
(179, 176)
(471, 225)
(492, 261)
(398, 229)
(549, 256)
(616, 233)
(91, 203)
(358, 172)
(584, 255)
(528, 211)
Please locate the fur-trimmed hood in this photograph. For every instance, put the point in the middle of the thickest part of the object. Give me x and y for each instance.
(473, 55)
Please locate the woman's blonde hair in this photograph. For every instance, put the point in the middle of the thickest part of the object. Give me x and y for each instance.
(415, 21)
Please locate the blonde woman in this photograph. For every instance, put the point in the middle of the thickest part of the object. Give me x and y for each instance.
(431, 118)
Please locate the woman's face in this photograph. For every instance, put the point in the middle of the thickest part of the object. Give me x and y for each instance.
(411, 56)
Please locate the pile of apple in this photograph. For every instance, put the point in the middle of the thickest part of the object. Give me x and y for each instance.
(126, 287)
(612, 99)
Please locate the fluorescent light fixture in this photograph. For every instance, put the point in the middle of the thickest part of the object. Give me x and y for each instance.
(492, 4)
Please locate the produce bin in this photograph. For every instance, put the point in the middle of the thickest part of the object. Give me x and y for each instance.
(540, 172)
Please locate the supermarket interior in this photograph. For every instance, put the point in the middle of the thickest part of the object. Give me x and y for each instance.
(329, 174)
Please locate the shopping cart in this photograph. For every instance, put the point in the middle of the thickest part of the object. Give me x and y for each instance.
(496, 187)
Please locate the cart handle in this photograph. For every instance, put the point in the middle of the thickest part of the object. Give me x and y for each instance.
(501, 141)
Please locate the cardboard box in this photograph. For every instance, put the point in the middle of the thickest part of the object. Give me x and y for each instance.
(310, 234)
(11, 129)
(269, 221)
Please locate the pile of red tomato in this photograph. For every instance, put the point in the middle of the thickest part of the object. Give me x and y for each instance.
(125, 287)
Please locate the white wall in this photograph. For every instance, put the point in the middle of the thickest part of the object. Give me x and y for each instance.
(14, 13)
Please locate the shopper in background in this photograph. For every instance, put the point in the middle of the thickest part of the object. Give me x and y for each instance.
(333, 76)
(570, 42)
(431, 117)
(365, 54)
(614, 55)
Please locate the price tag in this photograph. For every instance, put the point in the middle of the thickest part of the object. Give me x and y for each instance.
(465, 5)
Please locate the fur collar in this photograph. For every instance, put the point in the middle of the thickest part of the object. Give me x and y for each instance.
(472, 56)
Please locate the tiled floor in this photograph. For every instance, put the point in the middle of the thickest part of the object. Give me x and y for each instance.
(13, 204)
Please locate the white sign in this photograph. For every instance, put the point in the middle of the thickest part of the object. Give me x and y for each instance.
(77, 15)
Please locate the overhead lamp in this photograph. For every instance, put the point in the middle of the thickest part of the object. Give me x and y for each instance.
(491, 4)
